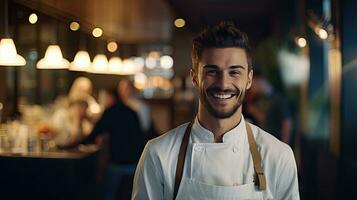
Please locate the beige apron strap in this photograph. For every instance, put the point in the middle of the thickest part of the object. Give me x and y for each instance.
(181, 159)
(257, 161)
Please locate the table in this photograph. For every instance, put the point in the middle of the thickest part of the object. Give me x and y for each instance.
(59, 174)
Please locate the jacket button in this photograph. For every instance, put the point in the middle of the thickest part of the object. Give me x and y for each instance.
(235, 149)
(199, 148)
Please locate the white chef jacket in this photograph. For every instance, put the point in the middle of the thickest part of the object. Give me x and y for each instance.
(222, 164)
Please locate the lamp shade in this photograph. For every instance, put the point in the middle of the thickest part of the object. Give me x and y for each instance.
(81, 62)
(8, 54)
(53, 59)
(99, 65)
(115, 65)
(128, 67)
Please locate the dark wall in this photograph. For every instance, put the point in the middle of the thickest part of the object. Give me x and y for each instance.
(347, 173)
(349, 79)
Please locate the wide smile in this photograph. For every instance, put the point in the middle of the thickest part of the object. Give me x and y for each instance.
(221, 96)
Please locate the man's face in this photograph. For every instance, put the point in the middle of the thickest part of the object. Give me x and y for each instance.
(222, 79)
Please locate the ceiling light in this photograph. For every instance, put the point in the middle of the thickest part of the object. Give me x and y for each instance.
(33, 18)
(179, 23)
(8, 54)
(100, 64)
(301, 42)
(115, 65)
(97, 32)
(53, 59)
(112, 46)
(74, 26)
(81, 62)
(323, 34)
(166, 62)
(150, 62)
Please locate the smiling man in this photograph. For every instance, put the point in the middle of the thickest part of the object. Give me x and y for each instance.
(218, 155)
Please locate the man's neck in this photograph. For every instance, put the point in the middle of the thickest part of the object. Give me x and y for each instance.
(219, 126)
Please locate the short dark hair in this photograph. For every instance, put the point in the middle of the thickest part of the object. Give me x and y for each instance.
(223, 35)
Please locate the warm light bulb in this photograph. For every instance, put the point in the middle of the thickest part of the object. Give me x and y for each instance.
(166, 62)
(33, 18)
(112, 46)
(179, 23)
(97, 32)
(150, 62)
(323, 34)
(74, 26)
(301, 42)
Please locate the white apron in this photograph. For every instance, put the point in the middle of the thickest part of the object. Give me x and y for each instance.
(187, 189)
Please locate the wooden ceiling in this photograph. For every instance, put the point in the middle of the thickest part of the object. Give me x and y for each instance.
(256, 17)
(149, 21)
(127, 21)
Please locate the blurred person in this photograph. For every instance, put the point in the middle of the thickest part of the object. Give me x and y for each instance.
(82, 89)
(72, 124)
(128, 94)
(218, 155)
(74, 114)
(126, 141)
(269, 109)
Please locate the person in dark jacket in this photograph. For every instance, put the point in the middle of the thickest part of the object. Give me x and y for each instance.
(126, 141)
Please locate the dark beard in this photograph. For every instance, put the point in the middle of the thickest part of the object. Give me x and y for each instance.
(212, 111)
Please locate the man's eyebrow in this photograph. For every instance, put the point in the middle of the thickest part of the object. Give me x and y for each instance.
(236, 67)
(210, 66)
(216, 67)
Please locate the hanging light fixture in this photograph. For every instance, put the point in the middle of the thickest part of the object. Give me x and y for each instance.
(53, 59)
(99, 65)
(81, 62)
(8, 53)
(115, 65)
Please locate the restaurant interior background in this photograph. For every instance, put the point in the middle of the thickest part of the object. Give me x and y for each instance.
(307, 49)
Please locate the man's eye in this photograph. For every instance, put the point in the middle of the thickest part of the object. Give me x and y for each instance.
(211, 72)
(234, 73)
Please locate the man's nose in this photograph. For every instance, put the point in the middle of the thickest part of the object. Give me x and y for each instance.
(223, 80)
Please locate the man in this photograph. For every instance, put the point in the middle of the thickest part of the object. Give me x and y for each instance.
(126, 141)
(216, 156)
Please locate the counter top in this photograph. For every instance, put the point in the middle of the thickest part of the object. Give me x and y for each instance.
(80, 152)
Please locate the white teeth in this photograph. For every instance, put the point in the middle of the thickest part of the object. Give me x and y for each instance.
(223, 96)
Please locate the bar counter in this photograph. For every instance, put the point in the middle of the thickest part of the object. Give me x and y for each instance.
(57, 174)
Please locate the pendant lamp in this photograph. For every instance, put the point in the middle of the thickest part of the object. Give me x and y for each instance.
(53, 57)
(81, 61)
(8, 53)
(115, 65)
(99, 65)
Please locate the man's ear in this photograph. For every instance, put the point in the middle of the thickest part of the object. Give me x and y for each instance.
(250, 79)
(193, 75)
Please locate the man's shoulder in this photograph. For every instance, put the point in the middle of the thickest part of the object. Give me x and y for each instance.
(268, 144)
(168, 141)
